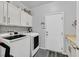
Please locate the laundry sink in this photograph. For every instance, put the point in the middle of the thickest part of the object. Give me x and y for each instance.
(14, 37)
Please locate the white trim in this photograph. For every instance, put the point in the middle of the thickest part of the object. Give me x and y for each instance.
(42, 48)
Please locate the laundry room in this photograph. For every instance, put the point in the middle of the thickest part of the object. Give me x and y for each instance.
(39, 29)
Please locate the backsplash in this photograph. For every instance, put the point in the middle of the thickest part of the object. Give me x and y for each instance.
(12, 28)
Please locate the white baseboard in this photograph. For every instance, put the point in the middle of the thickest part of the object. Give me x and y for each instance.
(42, 48)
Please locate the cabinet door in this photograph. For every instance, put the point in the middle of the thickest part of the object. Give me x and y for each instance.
(24, 19)
(13, 15)
(5, 12)
(29, 20)
(54, 32)
(1, 13)
(21, 48)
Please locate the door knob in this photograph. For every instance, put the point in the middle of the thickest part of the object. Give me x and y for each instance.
(46, 32)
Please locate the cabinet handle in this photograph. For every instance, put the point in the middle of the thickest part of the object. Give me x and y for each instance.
(46, 32)
(4, 19)
(8, 19)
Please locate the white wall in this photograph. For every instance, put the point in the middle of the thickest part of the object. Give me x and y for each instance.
(69, 9)
(19, 4)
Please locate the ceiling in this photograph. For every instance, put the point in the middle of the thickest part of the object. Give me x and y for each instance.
(33, 4)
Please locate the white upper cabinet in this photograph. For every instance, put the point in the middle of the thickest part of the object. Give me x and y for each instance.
(26, 19)
(1, 13)
(13, 15)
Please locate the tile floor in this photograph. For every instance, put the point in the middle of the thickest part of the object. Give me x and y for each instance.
(46, 53)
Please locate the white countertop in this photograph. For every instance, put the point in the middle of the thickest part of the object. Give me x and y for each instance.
(32, 34)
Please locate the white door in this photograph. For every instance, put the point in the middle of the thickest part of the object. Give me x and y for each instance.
(1, 13)
(54, 32)
(13, 15)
